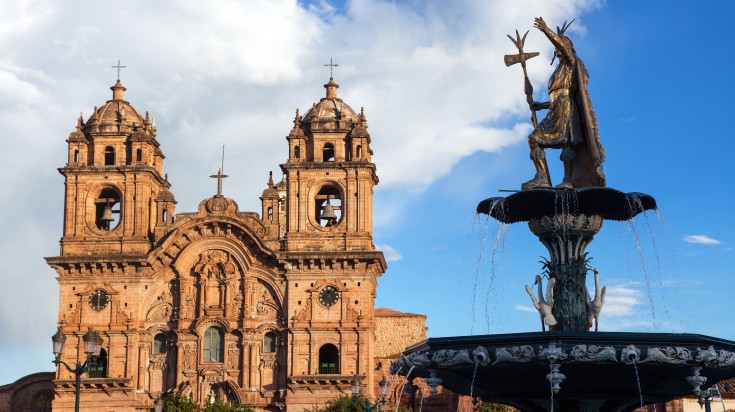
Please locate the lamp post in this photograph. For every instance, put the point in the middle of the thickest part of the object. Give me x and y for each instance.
(92, 347)
(365, 404)
(158, 405)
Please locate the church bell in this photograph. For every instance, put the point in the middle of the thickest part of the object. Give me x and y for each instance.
(107, 214)
(328, 213)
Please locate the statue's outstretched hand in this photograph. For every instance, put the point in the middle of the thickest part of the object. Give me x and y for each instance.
(540, 24)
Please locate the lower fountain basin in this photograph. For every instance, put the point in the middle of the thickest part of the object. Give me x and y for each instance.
(598, 367)
(609, 203)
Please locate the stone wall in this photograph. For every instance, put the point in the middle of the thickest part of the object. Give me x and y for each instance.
(27, 394)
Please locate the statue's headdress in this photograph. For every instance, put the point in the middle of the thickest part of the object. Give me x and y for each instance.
(560, 33)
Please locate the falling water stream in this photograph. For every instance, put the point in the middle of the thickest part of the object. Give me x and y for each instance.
(638, 381)
(400, 394)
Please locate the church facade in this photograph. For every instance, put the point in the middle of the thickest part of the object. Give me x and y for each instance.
(272, 309)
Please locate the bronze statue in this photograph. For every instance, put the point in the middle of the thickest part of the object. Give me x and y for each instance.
(570, 124)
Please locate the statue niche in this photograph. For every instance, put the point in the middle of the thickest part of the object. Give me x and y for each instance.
(215, 272)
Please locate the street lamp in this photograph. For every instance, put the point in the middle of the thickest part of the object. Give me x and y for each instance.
(158, 405)
(365, 404)
(92, 347)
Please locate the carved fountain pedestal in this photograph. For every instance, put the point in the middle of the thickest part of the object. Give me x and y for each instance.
(570, 368)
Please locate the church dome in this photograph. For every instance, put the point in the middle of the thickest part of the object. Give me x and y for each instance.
(117, 111)
(330, 109)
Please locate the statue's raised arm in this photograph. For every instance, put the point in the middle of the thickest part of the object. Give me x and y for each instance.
(570, 123)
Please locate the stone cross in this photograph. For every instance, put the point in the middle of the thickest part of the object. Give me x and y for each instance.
(219, 176)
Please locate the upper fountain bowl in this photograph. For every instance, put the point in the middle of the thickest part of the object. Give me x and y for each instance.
(608, 203)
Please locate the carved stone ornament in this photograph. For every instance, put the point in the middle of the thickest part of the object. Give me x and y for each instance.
(522, 353)
(481, 356)
(696, 380)
(433, 381)
(160, 313)
(555, 377)
(305, 313)
(420, 359)
(630, 354)
(593, 353)
(189, 356)
(674, 356)
(451, 357)
(233, 355)
(552, 353)
(707, 357)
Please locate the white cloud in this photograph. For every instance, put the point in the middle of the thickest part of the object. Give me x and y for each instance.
(391, 255)
(620, 300)
(429, 74)
(701, 239)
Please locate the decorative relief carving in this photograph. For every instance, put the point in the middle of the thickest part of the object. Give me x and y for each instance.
(119, 317)
(675, 356)
(352, 314)
(267, 362)
(160, 313)
(522, 353)
(451, 357)
(305, 313)
(233, 355)
(189, 356)
(158, 362)
(593, 353)
(74, 317)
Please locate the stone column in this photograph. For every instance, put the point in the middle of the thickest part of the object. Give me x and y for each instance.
(141, 367)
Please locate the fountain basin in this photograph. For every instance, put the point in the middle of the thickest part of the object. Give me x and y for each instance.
(606, 202)
(599, 373)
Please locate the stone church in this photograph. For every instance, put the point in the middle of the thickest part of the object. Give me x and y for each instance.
(272, 309)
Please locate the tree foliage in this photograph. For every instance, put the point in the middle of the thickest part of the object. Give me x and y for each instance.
(179, 403)
(351, 404)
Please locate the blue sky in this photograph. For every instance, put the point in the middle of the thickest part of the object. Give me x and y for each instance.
(448, 122)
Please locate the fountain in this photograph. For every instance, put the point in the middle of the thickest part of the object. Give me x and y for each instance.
(568, 367)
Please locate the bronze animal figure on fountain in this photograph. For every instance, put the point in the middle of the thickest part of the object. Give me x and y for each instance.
(570, 123)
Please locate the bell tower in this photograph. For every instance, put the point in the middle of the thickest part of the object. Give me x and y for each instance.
(116, 195)
(330, 178)
(327, 250)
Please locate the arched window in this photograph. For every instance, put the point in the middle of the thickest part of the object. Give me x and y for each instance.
(160, 344)
(99, 369)
(270, 212)
(297, 152)
(109, 156)
(76, 156)
(358, 151)
(139, 155)
(269, 342)
(328, 153)
(328, 359)
(214, 345)
(107, 209)
(164, 216)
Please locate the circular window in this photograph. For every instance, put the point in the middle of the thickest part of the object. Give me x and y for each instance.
(99, 299)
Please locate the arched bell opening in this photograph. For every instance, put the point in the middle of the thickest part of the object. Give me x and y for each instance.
(328, 360)
(99, 368)
(107, 209)
(328, 153)
(328, 206)
(109, 156)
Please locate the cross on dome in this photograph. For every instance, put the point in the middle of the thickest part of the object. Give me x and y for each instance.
(331, 65)
(118, 67)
